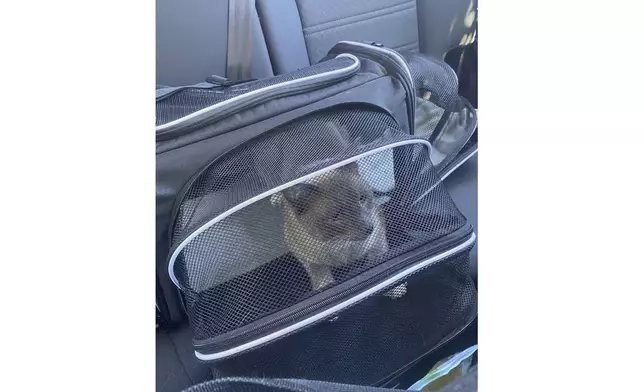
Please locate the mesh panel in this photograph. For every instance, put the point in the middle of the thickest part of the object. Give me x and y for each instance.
(472, 142)
(463, 154)
(442, 116)
(450, 139)
(190, 100)
(434, 80)
(374, 339)
(381, 201)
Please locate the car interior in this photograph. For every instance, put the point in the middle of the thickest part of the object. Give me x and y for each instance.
(287, 35)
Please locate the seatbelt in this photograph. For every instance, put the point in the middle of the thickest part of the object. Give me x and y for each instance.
(240, 39)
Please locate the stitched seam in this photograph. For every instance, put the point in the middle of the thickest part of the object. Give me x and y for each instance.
(356, 19)
(359, 14)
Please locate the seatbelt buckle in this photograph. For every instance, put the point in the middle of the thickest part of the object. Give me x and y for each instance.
(225, 82)
(218, 80)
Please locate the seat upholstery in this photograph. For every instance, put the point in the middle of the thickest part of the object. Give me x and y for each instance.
(300, 32)
(324, 23)
(192, 38)
(191, 35)
(177, 368)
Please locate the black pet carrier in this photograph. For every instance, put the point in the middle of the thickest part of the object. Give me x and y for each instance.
(305, 224)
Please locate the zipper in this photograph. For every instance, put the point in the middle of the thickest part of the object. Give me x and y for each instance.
(337, 300)
(385, 56)
(216, 112)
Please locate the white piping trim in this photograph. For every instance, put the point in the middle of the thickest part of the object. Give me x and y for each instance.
(338, 307)
(470, 155)
(270, 192)
(386, 50)
(262, 90)
(401, 59)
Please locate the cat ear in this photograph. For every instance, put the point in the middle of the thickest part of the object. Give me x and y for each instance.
(299, 196)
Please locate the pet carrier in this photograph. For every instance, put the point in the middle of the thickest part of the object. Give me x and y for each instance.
(305, 224)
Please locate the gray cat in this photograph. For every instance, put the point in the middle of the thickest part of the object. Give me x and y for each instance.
(333, 220)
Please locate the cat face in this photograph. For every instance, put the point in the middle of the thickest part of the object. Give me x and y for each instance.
(338, 205)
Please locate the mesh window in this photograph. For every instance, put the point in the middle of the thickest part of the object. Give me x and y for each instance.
(373, 340)
(442, 116)
(191, 99)
(274, 221)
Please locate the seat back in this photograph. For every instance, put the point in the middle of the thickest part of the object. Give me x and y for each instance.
(300, 32)
(191, 42)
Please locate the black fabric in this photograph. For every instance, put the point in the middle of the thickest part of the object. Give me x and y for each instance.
(414, 372)
(469, 74)
(464, 60)
(276, 385)
(467, 383)
(367, 343)
(192, 99)
(462, 186)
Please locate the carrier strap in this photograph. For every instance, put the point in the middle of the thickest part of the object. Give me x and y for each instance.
(240, 43)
